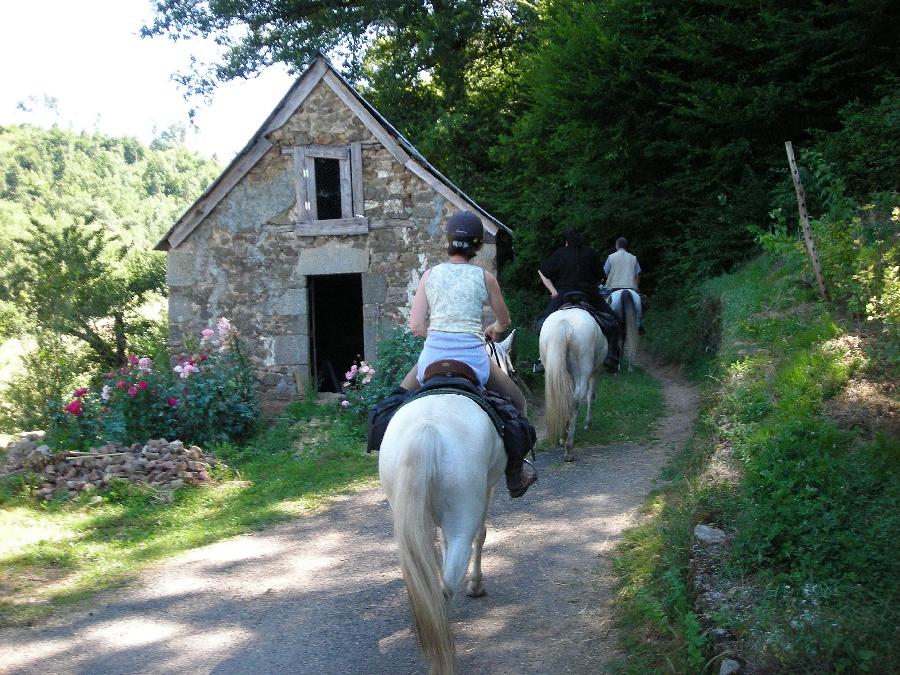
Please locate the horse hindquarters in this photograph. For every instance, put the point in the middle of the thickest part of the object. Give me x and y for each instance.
(407, 471)
(559, 390)
(435, 474)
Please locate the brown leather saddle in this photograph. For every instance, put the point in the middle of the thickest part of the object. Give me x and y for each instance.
(450, 368)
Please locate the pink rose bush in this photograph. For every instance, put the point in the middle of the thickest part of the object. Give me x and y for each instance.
(207, 395)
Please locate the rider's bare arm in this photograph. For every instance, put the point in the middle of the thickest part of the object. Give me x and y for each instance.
(418, 315)
(498, 306)
(548, 284)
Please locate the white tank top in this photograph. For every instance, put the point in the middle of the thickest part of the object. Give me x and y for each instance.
(456, 295)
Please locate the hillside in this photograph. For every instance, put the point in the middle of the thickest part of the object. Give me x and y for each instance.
(797, 462)
(54, 177)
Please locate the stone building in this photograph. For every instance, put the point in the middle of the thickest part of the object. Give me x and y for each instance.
(314, 238)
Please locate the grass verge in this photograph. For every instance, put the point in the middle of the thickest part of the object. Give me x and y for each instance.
(54, 554)
(812, 510)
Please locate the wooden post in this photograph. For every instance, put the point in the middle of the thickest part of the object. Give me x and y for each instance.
(804, 220)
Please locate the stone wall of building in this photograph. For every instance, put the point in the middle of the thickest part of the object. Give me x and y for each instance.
(246, 262)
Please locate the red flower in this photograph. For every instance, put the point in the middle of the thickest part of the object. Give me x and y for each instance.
(74, 408)
(81, 391)
(179, 358)
(203, 357)
(132, 391)
(133, 360)
(172, 401)
(142, 384)
(121, 384)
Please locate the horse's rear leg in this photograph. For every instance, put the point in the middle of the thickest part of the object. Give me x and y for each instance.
(475, 587)
(590, 400)
(569, 455)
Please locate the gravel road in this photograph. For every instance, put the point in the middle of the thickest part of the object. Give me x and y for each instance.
(323, 593)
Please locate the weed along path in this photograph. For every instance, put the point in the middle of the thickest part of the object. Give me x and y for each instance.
(323, 593)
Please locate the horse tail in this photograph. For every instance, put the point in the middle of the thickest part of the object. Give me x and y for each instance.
(629, 312)
(414, 531)
(559, 388)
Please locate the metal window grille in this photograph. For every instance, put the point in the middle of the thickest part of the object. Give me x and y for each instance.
(328, 188)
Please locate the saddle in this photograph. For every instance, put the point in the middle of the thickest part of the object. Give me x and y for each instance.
(580, 300)
(449, 376)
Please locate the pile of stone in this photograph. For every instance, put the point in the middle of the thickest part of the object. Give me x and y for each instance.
(160, 463)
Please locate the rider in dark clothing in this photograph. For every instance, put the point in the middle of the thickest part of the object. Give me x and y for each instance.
(577, 267)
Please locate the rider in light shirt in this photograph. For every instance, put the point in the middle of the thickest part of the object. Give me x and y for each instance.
(623, 272)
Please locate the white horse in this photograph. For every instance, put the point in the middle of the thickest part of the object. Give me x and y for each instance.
(627, 306)
(440, 460)
(572, 350)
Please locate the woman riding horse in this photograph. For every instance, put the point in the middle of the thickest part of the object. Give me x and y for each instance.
(447, 311)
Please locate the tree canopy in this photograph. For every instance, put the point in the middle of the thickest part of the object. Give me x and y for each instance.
(663, 122)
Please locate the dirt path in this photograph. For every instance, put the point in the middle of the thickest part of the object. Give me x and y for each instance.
(323, 594)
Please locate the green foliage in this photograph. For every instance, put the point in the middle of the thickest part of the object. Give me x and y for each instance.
(208, 397)
(367, 384)
(75, 283)
(50, 372)
(55, 177)
(665, 123)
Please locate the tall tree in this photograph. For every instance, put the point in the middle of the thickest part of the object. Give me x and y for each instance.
(666, 121)
(77, 283)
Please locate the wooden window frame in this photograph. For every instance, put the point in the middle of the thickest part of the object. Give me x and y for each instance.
(353, 219)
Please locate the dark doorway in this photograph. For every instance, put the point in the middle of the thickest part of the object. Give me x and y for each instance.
(336, 330)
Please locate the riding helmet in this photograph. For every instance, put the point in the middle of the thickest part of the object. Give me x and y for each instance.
(464, 229)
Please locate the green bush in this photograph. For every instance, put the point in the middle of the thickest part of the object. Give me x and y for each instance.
(207, 397)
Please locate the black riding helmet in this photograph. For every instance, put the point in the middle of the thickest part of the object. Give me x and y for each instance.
(464, 229)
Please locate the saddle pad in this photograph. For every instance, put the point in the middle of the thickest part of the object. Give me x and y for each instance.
(484, 405)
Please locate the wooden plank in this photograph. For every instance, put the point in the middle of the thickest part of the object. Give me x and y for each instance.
(206, 204)
(312, 207)
(367, 118)
(328, 151)
(300, 183)
(295, 97)
(804, 220)
(356, 176)
(337, 226)
(346, 192)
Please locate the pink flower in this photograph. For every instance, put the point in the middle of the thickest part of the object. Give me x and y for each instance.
(207, 333)
(349, 376)
(185, 370)
(172, 401)
(121, 384)
(74, 408)
(133, 360)
(142, 384)
(81, 391)
(145, 363)
(345, 403)
(132, 391)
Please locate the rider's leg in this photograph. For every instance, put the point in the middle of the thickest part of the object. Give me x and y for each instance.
(500, 382)
(410, 380)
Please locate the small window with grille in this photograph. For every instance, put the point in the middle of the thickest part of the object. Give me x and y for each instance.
(328, 182)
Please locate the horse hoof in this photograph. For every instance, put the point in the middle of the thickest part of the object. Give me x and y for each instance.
(474, 590)
(569, 457)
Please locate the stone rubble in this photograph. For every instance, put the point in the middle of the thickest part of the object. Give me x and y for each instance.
(160, 463)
